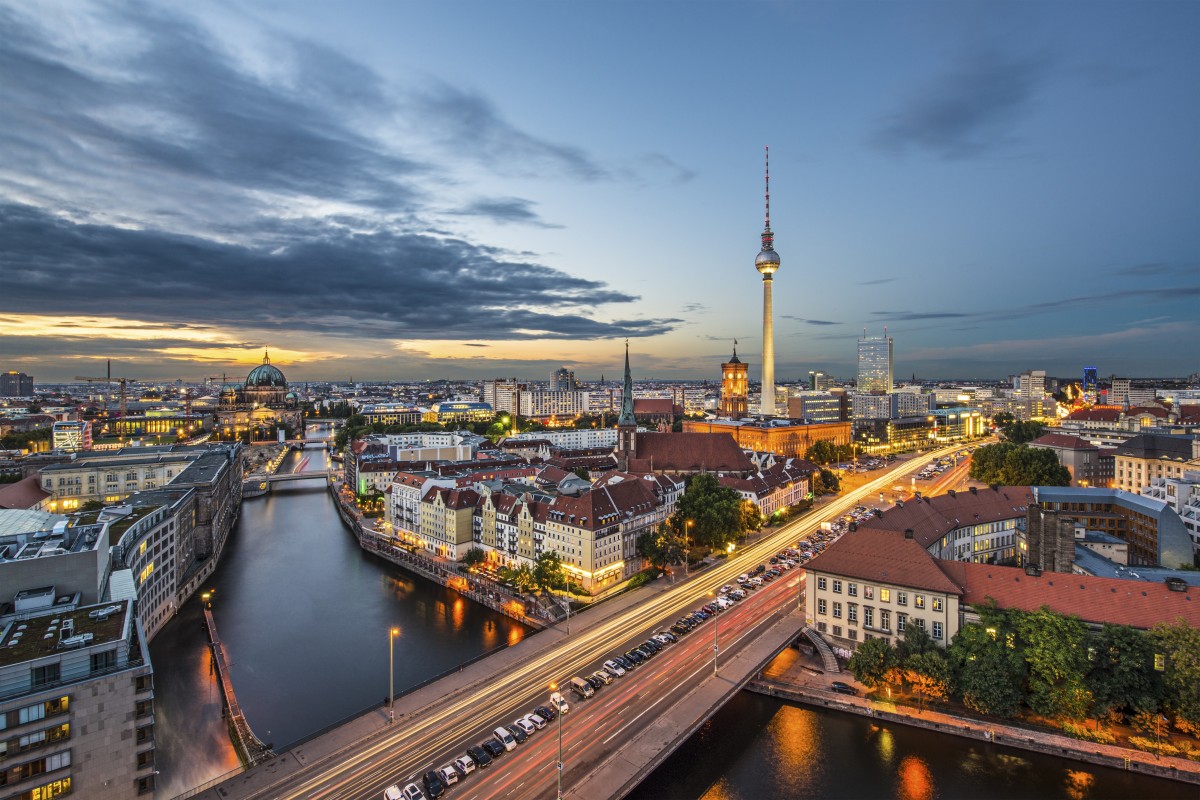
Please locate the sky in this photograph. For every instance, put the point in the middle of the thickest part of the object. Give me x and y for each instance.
(402, 190)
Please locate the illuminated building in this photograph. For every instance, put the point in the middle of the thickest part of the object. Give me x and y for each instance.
(563, 380)
(72, 436)
(767, 264)
(1032, 386)
(735, 387)
(459, 411)
(874, 363)
(251, 409)
(776, 436)
(16, 384)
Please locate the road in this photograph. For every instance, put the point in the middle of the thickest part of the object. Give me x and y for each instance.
(594, 728)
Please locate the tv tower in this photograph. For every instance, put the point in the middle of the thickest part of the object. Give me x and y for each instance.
(767, 263)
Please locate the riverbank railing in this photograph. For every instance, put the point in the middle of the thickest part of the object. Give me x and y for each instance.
(251, 749)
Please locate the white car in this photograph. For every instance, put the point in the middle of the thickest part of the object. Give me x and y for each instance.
(524, 724)
(464, 765)
(413, 792)
(535, 720)
(559, 703)
(393, 793)
(505, 738)
(727, 588)
(614, 669)
(448, 774)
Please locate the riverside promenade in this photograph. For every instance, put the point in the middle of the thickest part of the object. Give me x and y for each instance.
(801, 679)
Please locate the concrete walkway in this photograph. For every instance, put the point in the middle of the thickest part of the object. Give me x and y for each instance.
(806, 682)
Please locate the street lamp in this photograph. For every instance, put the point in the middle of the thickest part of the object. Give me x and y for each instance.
(554, 688)
(687, 526)
(392, 634)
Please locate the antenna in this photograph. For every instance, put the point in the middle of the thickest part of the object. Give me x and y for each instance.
(767, 148)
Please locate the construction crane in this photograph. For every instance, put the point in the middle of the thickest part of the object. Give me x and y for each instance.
(122, 382)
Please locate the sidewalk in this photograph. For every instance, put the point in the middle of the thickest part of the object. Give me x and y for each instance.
(804, 681)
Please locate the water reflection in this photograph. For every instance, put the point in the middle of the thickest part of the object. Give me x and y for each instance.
(915, 780)
(304, 615)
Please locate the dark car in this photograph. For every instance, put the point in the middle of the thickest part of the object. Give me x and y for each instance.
(493, 747)
(759, 570)
(645, 652)
(654, 646)
(624, 662)
(843, 688)
(434, 785)
(546, 713)
(670, 636)
(635, 656)
(479, 756)
(518, 734)
(595, 682)
(678, 629)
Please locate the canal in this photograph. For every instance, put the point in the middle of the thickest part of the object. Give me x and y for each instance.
(305, 614)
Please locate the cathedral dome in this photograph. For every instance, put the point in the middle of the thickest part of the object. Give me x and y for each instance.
(266, 376)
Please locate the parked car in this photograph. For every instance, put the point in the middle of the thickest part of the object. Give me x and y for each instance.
(435, 787)
(536, 720)
(517, 733)
(449, 775)
(624, 662)
(413, 792)
(526, 725)
(559, 702)
(494, 748)
(546, 712)
(480, 756)
(602, 676)
(393, 793)
(843, 688)
(613, 668)
(464, 765)
(634, 656)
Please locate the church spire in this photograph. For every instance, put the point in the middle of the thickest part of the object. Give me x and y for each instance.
(627, 419)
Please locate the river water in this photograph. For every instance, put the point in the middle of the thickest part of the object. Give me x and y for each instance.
(304, 615)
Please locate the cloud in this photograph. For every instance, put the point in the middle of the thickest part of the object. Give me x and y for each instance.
(505, 210)
(693, 308)
(1153, 268)
(966, 112)
(376, 284)
(877, 282)
(908, 316)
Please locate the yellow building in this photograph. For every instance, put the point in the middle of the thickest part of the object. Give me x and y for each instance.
(779, 437)
(735, 387)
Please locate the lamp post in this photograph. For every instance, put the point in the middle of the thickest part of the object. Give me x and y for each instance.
(716, 633)
(687, 527)
(392, 634)
(554, 688)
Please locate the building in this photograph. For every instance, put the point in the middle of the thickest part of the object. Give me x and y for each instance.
(563, 380)
(789, 438)
(260, 406)
(819, 407)
(539, 404)
(459, 411)
(16, 384)
(1088, 464)
(582, 439)
(735, 387)
(767, 264)
(956, 424)
(1153, 530)
(72, 436)
(447, 517)
(1032, 388)
(982, 525)
(1183, 495)
(503, 395)
(819, 381)
(875, 364)
(1147, 456)
(76, 698)
(775, 488)
(391, 414)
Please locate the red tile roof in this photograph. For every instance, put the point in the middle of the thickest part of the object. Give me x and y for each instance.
(653, 405)
(25, 493)
(689, 452)
(1096, 415)
(1140, 604)
(884, 557)
(931, 518)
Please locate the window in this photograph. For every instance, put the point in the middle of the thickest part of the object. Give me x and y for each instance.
(852, 612)
(837, 610)
(837, 586)
(937, 630)
(869, 616)
(937, 604)
(821, 626)
(821, 584)
(920, 623)
(821, 609)
(885, 595)
(852, 589)
(885, 619)
(853, 634)
(44, 676)
(104, 660)
(868, 592)
(919, 600)
(47, 791)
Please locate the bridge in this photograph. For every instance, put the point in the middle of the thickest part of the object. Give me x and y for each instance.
(610, 742)
(257, 485)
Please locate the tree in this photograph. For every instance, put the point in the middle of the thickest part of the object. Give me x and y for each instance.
(916, 641)
(474, 556)
(1003, 418)
(524, 579)
(1122, 676)
(548, 571)
(1021, 432)
(828, 482)
(1056, 654)
(92, 505)
(717, 513)
(822, 451)
(929, 673)
(988, 670)
(1179, 645)
(1013, 464)
(661, 547)
(872, 662)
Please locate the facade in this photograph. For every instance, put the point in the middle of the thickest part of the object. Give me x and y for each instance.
(775, 488)
(956, 424)
(819, 407)
(735, 387)
(584, 439)
(563, 380)
(767, 264)
(1032, 387)
(503, 395)
(72, 436)
(873, 406)
(1183, 495)
(1147, 456)
(391, 414)
(785, 438)
(1088, 464)
(459, 411)
(446, 521)
(16, 384)
(76, 700)
(875, 364)
(263, 402)
(545, 404)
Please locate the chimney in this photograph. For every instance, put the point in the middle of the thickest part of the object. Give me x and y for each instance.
(908, 533)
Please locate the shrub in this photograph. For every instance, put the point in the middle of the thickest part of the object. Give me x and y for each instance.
(640, 579)
(1150, 746)
(1100, 736)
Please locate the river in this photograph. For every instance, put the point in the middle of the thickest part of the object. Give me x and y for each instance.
(304, 615)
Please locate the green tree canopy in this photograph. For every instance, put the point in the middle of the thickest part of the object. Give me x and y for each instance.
(1122, 676)
(548, 571)
(1055, 650)
(872, 662)
(929, 673)
(1013, 464)
(717, 513)
(822, 451)
(1021, 432)
(661, 547)
(1179, 645)
(989, 671)
(473, 556)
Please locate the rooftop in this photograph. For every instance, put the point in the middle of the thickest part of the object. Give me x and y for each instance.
(50, 633)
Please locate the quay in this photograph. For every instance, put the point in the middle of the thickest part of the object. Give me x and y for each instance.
(251, 750)
(807, 684)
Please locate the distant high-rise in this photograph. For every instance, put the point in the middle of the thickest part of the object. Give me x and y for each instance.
(875, 363)
(1033, 392)
(735, 387)
(16, 384)
(563, 380)
(767, 263)
(1090, 380)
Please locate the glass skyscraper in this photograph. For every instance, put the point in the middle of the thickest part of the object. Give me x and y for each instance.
(874, 364)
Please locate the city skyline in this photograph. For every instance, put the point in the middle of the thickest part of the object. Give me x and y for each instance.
(384, 192)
